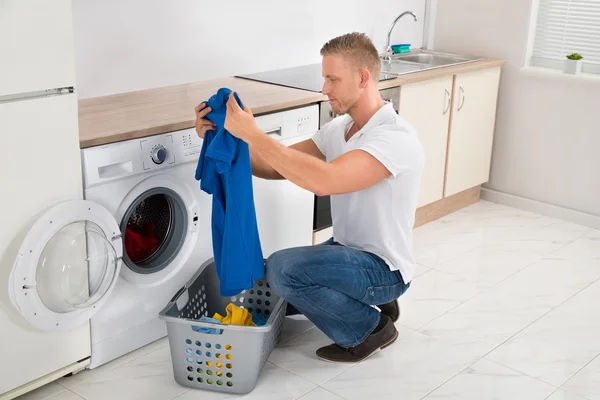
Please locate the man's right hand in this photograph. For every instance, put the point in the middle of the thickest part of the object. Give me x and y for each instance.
(203, 124)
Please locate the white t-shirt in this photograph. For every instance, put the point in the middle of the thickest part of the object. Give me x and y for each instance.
(378, 219)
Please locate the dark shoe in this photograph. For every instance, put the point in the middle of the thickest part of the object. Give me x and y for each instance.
(391, 309)
(374, 342)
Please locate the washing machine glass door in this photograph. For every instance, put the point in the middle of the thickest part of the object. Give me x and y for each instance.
(67, 265)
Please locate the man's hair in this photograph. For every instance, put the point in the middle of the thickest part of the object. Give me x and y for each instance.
(359, 48)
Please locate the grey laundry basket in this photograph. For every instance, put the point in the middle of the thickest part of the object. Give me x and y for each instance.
(231, 359)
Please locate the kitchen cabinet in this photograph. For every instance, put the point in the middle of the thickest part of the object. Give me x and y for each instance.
(426, 105)
(278, 227)
(471, 131)
(36, 46)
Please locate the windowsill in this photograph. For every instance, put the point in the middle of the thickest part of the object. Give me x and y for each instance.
(549, 73)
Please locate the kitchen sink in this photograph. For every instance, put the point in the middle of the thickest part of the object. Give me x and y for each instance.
(399, 64)
(397, 67)
(432, 59)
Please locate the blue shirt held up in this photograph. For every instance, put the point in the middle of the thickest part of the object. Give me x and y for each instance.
(224, 171)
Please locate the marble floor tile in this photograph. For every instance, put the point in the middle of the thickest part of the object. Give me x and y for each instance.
(564, 395)
(45, 392)
(488, 380)
(552, 280)
(431, 295)
(586, 382)
(432, 254)
(559, 232)
(89, 374)
(420, 270)
(64, 395)
(147, 377)
(494, 223)
(487, 266)
(487, 320)
(583, 249)
(558, 345)
(459, 235)
(321, 394)
(409, 369)
(546, 240)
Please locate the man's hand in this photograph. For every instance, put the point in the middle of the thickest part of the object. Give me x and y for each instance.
(203, 124)
(240, 122)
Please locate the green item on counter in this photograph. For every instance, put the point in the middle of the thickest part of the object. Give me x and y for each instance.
(401, 48)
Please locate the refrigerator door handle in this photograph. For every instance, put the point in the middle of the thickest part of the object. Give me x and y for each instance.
(38, 94)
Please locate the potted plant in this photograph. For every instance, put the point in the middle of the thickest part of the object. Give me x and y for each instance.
(573, 64)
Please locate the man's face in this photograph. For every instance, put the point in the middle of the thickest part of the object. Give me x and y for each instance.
(342, 83)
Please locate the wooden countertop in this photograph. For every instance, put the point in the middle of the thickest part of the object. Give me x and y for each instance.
(125, 116)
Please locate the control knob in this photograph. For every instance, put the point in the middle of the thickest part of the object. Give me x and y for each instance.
(159, 154)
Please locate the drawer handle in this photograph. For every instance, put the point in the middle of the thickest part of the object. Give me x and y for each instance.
(446, 99)
(462, 92)
(274, 132)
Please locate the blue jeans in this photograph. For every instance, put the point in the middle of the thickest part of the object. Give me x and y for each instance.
(335, 287)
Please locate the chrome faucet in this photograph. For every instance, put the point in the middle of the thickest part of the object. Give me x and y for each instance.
(388, 49)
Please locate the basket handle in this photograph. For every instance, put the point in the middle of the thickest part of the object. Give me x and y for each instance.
(179, 293)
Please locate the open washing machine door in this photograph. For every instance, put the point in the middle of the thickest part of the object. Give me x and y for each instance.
(67, 266)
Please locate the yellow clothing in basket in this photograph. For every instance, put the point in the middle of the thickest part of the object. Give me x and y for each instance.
(235, 316)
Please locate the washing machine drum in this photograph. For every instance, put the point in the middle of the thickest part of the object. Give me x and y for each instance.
(154, 228)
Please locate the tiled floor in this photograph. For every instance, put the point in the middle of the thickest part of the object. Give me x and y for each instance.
(506, 305)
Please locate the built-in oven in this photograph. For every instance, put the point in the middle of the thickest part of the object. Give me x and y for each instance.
(322, 214)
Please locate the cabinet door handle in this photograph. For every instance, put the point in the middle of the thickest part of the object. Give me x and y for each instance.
(462, 103)
(446, 99)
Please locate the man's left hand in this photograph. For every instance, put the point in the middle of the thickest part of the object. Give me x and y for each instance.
(239, 122)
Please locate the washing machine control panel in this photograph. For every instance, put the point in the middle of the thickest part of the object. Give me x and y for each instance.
(189, 144)
(157, 151)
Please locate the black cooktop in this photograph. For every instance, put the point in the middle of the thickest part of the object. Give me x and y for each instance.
(305, 77)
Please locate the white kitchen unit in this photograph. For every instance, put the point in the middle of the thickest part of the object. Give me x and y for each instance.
(426, 105)
(284, 211)
(472, 129)
(45, 333)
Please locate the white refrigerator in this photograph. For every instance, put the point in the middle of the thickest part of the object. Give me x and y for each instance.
(57, 259)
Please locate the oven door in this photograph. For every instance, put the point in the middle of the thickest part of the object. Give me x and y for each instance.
(322, 215)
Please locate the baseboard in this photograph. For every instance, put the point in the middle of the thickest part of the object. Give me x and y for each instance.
(45, 380)
(577, 217)
(446, 206)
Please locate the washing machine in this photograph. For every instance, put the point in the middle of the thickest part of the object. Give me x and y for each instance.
(148, 185)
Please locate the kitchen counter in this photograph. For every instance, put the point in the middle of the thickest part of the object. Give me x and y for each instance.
(125, 116)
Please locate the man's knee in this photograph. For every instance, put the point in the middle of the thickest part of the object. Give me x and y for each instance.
(282, 269)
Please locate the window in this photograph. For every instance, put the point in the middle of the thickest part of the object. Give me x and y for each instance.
(563, 27)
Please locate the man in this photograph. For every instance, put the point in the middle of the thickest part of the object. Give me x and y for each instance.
(370, 161)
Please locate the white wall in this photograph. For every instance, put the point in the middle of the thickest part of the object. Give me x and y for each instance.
(123, 46)
(547, 139)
